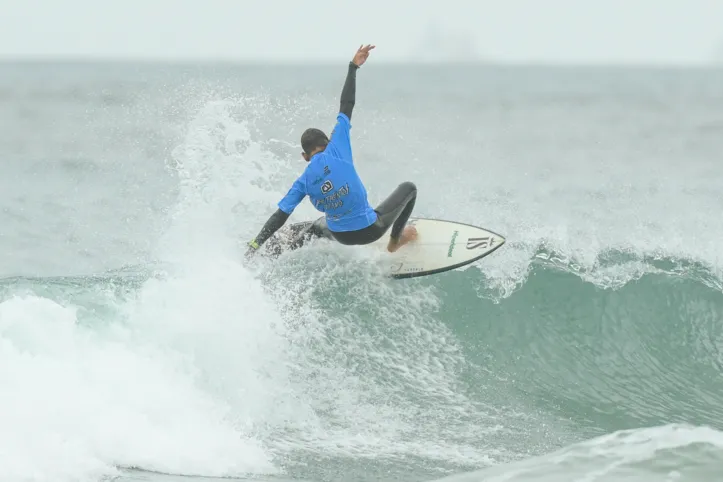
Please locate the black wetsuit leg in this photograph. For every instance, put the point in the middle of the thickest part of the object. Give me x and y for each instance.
(393, 212)
(397, 208)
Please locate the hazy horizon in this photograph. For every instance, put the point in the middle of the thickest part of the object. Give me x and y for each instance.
(519, 32)
(199, 62)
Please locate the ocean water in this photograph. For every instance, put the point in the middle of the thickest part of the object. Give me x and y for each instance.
(135, 345)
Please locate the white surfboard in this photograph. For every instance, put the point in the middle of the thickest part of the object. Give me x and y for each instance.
(440, 246)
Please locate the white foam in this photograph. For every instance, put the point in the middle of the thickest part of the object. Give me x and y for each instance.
(306, 377)
(77, 404)
(189, 376)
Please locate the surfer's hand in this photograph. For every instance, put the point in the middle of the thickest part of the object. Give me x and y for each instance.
(362, 54)
(252, 247)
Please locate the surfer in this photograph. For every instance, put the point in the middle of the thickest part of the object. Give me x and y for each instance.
(335, 189)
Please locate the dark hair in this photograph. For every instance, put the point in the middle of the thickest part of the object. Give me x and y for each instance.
(313, 138)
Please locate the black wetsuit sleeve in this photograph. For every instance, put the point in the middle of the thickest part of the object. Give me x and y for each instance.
(348, 93)
(272, 225)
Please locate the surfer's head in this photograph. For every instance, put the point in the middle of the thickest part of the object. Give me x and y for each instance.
(313, 141)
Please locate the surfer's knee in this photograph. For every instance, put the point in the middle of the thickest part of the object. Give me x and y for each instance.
(408, 189)
(408, 186)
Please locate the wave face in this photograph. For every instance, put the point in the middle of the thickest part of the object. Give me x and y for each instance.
(347, 367)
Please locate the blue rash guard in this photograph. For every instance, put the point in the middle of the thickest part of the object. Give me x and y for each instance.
(333, 185)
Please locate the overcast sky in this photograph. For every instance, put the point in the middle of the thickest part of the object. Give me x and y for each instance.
(567, 31)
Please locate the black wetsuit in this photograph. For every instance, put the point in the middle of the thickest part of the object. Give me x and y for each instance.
(393, 212)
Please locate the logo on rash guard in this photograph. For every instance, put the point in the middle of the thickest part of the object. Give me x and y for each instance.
(332, 201)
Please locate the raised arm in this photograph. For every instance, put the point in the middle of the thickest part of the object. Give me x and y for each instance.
(348, 93)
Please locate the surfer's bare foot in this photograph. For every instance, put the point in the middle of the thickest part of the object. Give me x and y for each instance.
(409, 234)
